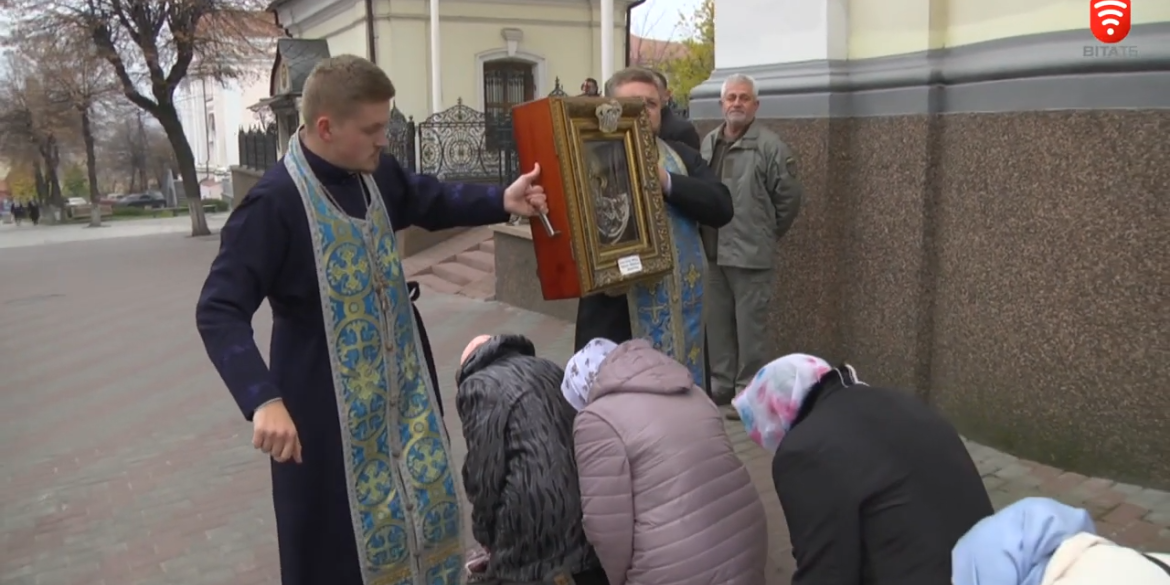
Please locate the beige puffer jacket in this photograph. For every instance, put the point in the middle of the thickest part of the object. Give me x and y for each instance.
(666, 500)
(1087, 559)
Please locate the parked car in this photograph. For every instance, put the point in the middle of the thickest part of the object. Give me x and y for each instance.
(142, 200)
(77, 201)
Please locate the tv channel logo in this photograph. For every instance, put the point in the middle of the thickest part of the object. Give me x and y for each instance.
(1110, 19)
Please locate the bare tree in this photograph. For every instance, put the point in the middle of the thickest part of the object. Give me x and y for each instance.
(77, 80)
(18, 142)
(133, 149)
(648, 48)
(151, 45)
(33, 119)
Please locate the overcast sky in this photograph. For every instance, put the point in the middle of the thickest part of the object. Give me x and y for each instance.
(659, 19)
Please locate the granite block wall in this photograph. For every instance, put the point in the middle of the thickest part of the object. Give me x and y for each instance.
(1009, 268)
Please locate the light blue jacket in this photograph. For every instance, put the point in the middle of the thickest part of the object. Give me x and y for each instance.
(1013, 546)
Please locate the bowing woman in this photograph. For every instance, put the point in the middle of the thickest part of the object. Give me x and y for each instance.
(362, 485)
(876, 486)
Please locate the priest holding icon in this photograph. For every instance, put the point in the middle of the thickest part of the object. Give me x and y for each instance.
(669, 311)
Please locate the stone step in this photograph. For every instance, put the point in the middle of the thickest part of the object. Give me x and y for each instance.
(457, 273)
(478, 259)
(488, 246)
(432, 282)
(483, 289)
(422, 261)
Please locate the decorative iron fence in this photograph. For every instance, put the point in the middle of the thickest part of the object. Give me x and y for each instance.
(453, 147)
(401, 133)
(258, 147)
(558, 89)
(459, 144)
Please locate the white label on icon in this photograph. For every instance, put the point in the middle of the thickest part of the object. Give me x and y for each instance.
(629, 265)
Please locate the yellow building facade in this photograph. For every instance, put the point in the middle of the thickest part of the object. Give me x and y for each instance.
(490, 51)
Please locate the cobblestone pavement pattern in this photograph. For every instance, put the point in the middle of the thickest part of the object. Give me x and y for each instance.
(124, 461)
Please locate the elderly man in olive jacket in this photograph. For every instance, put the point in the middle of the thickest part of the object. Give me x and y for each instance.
(760, 171)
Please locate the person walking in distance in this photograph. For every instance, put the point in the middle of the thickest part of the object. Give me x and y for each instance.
(760, 171)
(362, 482)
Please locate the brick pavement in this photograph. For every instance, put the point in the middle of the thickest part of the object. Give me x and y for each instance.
(124, 461)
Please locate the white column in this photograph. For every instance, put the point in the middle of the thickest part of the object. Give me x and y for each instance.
(436, 61)
(800, 30)
(795, 31)
(606, 40)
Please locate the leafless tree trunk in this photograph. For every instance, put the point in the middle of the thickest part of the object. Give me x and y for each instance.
(42, 184)
(95, 197)
(51, 155)
(141, 154)
(168, 116)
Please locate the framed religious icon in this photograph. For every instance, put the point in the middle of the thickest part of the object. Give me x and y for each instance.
(606, 225)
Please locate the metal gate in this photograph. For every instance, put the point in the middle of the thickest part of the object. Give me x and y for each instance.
(453, 146)
(400, 133)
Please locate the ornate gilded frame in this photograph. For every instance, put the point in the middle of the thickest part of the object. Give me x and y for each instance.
(609, 268)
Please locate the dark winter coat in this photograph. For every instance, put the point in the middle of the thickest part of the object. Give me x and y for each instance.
(876, 486)
(520, 472)
(675, 128)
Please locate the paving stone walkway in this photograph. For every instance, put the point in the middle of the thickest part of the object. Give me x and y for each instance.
(123, 460)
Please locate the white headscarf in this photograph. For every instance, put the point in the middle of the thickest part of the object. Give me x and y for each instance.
(582, 369)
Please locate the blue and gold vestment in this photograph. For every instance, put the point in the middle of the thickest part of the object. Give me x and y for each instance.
(404, 495)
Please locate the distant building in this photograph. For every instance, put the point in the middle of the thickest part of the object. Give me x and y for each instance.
(493, 54)
(654, 53)
(213, 113)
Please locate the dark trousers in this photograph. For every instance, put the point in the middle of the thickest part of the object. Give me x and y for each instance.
(416, 292)
(591, 577)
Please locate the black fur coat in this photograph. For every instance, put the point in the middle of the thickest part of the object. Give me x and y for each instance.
(520, 472)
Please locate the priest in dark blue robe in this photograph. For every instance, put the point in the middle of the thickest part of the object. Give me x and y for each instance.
(363, 489)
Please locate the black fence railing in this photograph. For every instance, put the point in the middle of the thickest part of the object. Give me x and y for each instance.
(258, 147)
(401, 134)
(457, 144)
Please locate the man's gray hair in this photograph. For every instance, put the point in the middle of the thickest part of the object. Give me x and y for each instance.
(632, 75)
(736, 78)
(661, 78)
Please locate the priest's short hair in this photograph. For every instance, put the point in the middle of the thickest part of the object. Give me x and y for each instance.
(337, 84)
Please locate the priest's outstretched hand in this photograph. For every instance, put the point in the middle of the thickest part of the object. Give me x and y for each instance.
(274, 433)
(524, 197)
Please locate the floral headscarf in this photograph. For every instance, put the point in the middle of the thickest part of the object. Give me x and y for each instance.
(771, 403)
(582, 369)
